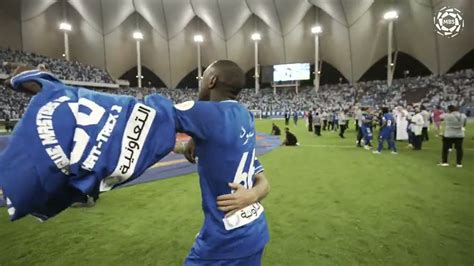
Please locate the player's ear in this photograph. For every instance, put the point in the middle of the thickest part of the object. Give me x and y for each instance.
(212, 82)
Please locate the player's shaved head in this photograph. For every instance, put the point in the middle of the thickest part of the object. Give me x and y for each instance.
(223, 79)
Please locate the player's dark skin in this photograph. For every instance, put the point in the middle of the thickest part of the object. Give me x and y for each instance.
(28, 87)
(222, 81)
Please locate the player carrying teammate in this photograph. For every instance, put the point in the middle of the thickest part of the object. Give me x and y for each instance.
(386, 131)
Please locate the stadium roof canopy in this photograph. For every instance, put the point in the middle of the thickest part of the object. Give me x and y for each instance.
(354, 32)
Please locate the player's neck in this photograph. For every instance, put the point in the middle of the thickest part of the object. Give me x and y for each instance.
(219, 96)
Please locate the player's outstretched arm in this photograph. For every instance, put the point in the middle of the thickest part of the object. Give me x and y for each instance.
(29, 87)
(243, 197)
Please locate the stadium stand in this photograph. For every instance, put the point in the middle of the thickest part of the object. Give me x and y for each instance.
(455, 88)
(66, 70)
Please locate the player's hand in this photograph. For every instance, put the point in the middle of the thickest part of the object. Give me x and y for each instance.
(30, 87)
(242, 197)
(189, 151)
(15, 69)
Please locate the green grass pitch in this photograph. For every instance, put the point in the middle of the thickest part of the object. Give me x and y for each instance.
(330, 204)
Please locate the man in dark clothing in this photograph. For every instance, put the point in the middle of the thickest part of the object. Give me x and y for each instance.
(342, 123)
(324, 117)
(426, 123)
(8, 125)
(295, 117)
(287, 118)
(290, 139)
(275, 130)
(310, 121)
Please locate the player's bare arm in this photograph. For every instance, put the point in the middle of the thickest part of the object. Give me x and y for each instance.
(187, 148)
(242, 197)
(29, 87)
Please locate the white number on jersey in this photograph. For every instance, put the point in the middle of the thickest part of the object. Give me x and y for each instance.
(245, 178)
(81, 138)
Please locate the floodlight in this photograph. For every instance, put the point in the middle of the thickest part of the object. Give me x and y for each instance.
(390, 15)
(65, 26)
(198, 38)
(316, 30)
(256, 37)
(137, 35)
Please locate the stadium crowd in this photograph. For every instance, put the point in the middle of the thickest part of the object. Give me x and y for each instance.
(338, 96)
(12, 104)
(444, 90)
(66, 70)
(449, 89)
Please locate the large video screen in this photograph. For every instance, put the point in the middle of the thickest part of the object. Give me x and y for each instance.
(289, 72)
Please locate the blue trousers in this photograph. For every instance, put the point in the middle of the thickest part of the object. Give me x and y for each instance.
(367, 134)
(389, 138)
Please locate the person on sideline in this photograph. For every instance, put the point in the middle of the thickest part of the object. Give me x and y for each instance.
(454, 127)
(417, 129)
(295, 117)
(342, 123)
(324, 117)
(287, 118)
(317, 124)
(310, 121)
(426, 118)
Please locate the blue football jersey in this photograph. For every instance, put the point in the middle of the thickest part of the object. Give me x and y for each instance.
(73, 142)
(225, 140)
(367, 119)
(388, 122)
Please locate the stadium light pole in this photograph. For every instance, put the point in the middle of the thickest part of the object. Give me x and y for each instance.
(66, 28)
(138, 36)
(390, 16)
(198, 39)
(316, 30)
(256, 38)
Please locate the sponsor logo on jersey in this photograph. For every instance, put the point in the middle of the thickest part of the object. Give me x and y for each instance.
(136, 131)
(243, 216)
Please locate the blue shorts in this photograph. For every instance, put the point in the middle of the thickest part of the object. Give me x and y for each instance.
(253, 260)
